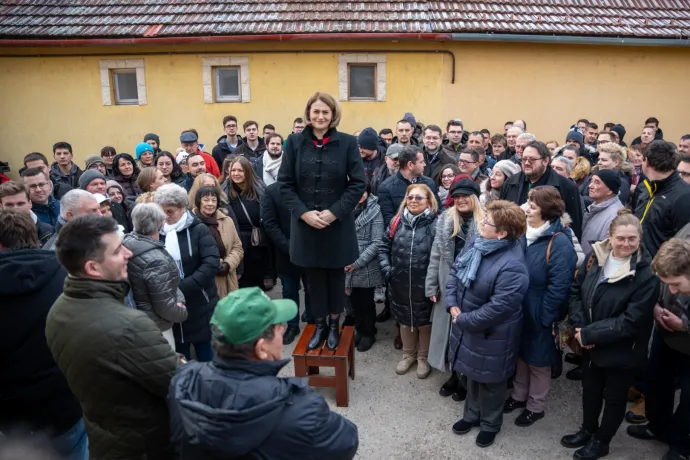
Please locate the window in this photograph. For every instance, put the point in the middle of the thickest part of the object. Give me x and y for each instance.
(225, 79)
(125, 84)
(227, 83)
(362, 81)
(362, 77)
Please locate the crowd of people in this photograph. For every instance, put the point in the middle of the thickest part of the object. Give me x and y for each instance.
(135, 319)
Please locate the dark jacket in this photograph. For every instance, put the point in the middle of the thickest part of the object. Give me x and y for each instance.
(154, 280)
(434, 166)
(118, 365)
(372, 166)
(71, 179)
(247, 152)
(185, 181)
(122, 214)
(200, 263)
(60, 189)
(546, 299)
(616, 315)
(276, 221)
(240, 409)
(257, 264)
(45, 231)
(453, 151)
(392, 192)
(658, 136)
(404, 261)
(668, 212)
(485, 338)
(129, 186)
(381, 174)
(222, 150)
(319, 178)
(47, 213)
(517, 187)
(33, 392)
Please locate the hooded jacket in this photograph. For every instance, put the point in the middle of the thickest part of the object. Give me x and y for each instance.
(240, 409)
(47, 213)
(33, 391)
(222, 150)
(597, 220)
(154, 280)
(615, 314)
(71, 179)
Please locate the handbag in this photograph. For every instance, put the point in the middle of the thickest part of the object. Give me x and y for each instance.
(258, 237)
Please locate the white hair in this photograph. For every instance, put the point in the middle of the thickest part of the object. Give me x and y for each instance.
(518, 128)
(147, 218)
(529, 136)
(71, 201)
(171, 195)
(565, 161)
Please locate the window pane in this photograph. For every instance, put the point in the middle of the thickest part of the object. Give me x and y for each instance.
(126, 86)
(228, 83)
(362, 81)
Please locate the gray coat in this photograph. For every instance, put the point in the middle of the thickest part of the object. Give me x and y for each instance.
(598, 218)
(154, 279)
(369, 227)
(442, 258)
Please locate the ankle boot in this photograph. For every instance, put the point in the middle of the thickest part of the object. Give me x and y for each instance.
(333, 333)
(319, 334)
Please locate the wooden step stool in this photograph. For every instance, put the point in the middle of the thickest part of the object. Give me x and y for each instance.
(307, 362)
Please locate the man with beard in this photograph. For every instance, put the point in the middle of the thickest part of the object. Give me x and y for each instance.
(369, 145)
(536, 171)
(253, 146)
(267, 165)
(434, 157)
(455, 139)
(388, 168)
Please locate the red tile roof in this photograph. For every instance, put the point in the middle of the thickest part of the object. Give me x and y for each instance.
(161, 18)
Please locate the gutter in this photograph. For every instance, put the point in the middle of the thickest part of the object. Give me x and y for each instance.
(570, 39)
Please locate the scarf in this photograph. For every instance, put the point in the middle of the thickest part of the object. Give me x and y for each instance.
(212, 224)
(466, 266)
(533, 233)
(271, 167)
(172, 244)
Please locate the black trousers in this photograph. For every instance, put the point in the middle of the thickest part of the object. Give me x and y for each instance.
(604, 385)
(326, 291)
(365, 310)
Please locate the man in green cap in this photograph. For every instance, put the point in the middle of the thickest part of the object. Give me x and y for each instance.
(237, 406)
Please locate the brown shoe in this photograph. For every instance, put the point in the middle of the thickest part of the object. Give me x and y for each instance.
(636, 414)
(634, 394)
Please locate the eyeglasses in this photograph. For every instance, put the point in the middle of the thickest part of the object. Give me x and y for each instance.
(448, 176)
(486, 222)
(684, 174)
(107, 154)
(39, 185)
(416, 197)
(529, 161)
(96, 166)
(465, 162)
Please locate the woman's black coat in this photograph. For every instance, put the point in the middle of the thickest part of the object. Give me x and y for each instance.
(320, 178)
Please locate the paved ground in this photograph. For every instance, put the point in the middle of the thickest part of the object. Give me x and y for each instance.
(404, 418)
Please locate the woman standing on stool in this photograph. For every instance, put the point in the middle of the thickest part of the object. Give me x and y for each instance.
(322, 180)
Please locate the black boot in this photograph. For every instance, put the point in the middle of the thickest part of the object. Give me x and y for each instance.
(333, 333)
(384, 315)
(320, 334)
(594, 450)
(557, 368)
(449, 387)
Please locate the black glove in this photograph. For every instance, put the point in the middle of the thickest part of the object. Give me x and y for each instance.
(224, 269)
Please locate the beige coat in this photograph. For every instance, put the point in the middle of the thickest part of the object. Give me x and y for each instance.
(225, 284)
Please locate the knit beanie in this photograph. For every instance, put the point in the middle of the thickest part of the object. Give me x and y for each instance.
(611, 178)
(154, 137)
(409, 117)
(111, 183)
(89, 176)
(368, 139)
(507, 167)
(143, 147)
(575, 136)
(92, 159)
(620, 130)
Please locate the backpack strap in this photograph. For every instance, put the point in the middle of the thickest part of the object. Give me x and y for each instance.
(548, 248)
(394, 225)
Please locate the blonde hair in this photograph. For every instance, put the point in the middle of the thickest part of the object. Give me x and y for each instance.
(433, 204)
(624, 218)
(618, 153)
(199, 182)
(146, 178)
(332, 104)
(477, 215)
(146, 197)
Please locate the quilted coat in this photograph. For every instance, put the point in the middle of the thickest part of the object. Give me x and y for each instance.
(369, 227)
(404, 262)
(117, 364)
(485, 338)
(154, 279)
(546, 298)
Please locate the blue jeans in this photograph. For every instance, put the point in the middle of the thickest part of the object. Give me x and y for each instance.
(291, 284)
(73, 445)
(204, 352)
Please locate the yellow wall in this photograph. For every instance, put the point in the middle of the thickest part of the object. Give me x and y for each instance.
(49, 99)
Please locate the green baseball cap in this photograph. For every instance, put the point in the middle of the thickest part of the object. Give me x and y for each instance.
(244, 314)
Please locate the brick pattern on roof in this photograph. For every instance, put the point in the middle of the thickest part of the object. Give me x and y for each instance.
(151, 18)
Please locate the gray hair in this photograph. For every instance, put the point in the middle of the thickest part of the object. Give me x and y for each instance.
(565, 161)
(529, 136)
(518, 128)
(147, 218)
(171, 195)
(71, 201)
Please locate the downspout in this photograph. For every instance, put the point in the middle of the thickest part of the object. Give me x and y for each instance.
(571, 40)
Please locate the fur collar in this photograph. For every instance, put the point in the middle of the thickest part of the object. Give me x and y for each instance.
(444, 230)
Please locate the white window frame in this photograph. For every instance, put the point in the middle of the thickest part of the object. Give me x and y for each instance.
(216, 81)
(107, 81)
(365, 58)
(208, 74)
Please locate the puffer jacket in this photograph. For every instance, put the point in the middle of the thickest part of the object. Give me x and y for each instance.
(128, 184)
(404, 262)
(117, 364)
(615, 314)
(154, 280)
(369, 227)
(47, 213)
(485, 338)
(71, 179)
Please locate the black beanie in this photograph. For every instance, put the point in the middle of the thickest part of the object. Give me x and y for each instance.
(368, 139)
(620, 130)
(611, 178)
(152, 136)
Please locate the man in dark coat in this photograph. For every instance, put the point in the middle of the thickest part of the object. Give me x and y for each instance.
(252, 146)
(43, 202)
(537, 171)
(237, 406)
(115, 359)
(434, 156)
(392, 191)
(64, 170)
(33, 392)
(371, 150)
(227, 143)
(389, 167)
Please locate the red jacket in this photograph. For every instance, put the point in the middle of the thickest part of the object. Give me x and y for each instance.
(211, 165)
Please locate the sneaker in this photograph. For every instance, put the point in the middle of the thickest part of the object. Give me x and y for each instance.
(634, 394)
(641, 432)
(405, 364)
(462, 426)
(636, 414)
(380, 294)
(423, 369)
(290, 334)
(486, 438)
(511, 404)
(594, 450)
(527, 418)
(674, 455)
(365, 343)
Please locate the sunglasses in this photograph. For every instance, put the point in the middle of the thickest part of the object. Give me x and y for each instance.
(415, 198)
